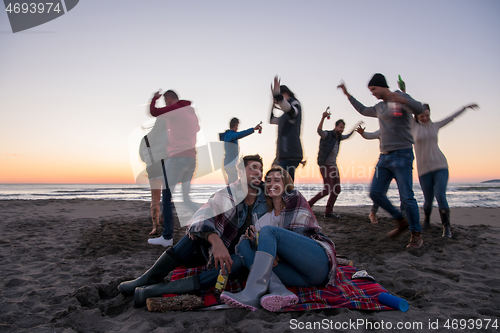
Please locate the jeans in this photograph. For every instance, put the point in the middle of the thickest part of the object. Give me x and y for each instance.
(191, 253)
(290, 166)
(303, 261)
(331, 179)
(434, 184)
(398, 165)
(176, 170)
(231, 174)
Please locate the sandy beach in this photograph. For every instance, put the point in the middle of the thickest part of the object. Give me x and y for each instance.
(61, 261)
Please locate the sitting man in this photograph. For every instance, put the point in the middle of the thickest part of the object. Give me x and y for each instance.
(213, 233)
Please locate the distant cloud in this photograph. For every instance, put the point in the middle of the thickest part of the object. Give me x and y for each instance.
(12, 154)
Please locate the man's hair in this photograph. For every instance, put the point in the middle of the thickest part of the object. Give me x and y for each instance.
(338, 122)
(171, 94)
(233, 122)
(247, 159)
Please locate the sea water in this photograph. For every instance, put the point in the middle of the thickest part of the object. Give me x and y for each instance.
(458, 194)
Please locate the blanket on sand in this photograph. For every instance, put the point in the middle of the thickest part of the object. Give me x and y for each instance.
(359, 294)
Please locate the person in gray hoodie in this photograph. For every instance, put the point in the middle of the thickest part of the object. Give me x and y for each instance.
(394, 113)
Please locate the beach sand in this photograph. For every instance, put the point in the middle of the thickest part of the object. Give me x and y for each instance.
(61, 261)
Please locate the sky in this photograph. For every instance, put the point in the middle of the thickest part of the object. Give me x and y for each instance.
(75, 91)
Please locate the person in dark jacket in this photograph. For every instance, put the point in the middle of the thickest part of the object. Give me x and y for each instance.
(288, 148)
(329, 146)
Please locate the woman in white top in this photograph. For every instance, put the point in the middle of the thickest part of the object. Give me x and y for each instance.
(432, 165)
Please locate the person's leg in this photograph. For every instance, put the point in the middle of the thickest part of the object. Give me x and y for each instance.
(402, 167)
(441, 182)
(289, 166)
(247, 251)
(186, 173)
(334, 175)
(380, 183)
(305, 268)
(427, 185)
(232, 174)
(327, 185)
(155, 185)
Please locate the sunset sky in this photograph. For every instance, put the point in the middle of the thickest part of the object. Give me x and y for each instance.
(75, 91)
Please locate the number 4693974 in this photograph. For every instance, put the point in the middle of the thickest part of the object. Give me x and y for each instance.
(32, 8)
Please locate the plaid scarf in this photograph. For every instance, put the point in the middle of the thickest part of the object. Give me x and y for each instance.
(299, 218)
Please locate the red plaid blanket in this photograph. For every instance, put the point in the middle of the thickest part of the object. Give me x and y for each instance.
(352, 294)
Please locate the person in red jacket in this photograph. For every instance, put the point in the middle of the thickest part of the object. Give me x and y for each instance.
(181, 125)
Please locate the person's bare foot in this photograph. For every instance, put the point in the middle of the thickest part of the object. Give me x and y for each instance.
(373, 218)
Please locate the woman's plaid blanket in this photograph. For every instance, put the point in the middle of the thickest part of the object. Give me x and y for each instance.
(352, 294)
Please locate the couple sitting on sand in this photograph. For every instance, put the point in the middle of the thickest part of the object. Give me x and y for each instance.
(268, 228)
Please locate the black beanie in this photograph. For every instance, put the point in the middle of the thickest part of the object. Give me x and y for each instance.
(378, 80)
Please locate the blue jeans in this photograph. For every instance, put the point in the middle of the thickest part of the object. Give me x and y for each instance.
(176, 170)
(398, 165)
(231, 174)
(303, 261)
(289, 166)
(191, 254)
(434, 184)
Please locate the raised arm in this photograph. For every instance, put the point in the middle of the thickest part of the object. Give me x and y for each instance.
(232, 137)
(365, 111)
(449, 119)
(347, 136)
(368, 135)
(291, 109)
(320, 131)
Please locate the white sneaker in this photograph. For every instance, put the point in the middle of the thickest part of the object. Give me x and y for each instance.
(161, 241)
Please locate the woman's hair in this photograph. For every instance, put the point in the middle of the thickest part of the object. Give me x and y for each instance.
(426, 107)
(287, 183)
(285, 89)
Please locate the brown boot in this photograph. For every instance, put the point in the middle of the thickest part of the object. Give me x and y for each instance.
(155, 211)
(416, 240)
(401, 225)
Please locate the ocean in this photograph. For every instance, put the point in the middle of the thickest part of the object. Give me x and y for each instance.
(458, 194)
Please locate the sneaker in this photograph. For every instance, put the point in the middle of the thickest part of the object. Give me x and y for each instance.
(332, 215)
(416, 241)
(161, 241)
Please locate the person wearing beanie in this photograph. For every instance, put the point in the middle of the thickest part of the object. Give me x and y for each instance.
(394, 113)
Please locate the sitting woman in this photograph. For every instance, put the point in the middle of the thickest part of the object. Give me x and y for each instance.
(284, 248)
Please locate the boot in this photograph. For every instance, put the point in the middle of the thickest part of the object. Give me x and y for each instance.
(155, 217)
(416, 240)
(155, 210)
(401, 225)
(427, 220)
(257, 283)
(189, 285)
(445, 219)
(164, 265)
(278, 296)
